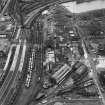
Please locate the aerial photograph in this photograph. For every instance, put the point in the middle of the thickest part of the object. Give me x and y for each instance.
(52, 52)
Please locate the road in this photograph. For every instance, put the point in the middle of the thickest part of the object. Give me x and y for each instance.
(93, 67)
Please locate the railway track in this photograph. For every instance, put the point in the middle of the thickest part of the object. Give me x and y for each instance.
(22, 98)
(70, 101)
(9, 86)
(12, 72)
(9, 60)
(13, 89)
(28, 93)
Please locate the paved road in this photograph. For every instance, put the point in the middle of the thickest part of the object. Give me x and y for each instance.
(93, 67)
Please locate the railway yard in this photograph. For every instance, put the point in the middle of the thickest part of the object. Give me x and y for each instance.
(49, 55)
